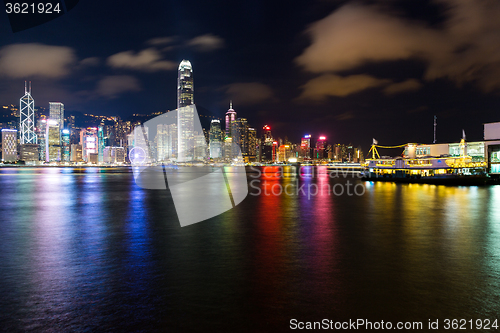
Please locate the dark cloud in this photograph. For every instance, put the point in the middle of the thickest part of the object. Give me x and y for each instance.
(249, 93)
(112, 86)
(465, 48)
(325, 85)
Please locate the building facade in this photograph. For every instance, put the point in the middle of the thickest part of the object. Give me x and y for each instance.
(9, 145)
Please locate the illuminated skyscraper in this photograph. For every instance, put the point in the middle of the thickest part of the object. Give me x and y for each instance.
(252, 144)
(53, 141)
(65, 146)
(185, 87)
(305, 146)
(266, 145)
(89, 142)
(239, 133)
(185, 112)
(230, 117)
(27, 117)
(321, 146)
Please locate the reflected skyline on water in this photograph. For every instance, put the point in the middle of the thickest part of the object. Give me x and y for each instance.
(94, 251)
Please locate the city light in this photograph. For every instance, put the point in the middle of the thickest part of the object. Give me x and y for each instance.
(322, 138)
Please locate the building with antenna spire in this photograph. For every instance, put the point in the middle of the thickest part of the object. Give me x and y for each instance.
(185, 84)
(27, 116)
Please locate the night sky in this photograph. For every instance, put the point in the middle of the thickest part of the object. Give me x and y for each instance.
(352, 71)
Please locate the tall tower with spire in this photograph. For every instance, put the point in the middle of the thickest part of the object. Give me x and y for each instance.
(230, 118)
(27, 116)
(185, 87)
(185, 113)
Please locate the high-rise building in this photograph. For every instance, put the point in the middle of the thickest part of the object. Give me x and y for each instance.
(114, 155)
(305, 147)
(89, 142)
(215, 139)
(185, 112)
(27, 117)
(65, 145)
(100, 143)
(239, 133)
(321, 145)
(185, 133)
(9, 145)
(252, 144)
(230, 117)
(57, 113)
(185, 86)
(28, 152)
(166, 142)
(266, 146)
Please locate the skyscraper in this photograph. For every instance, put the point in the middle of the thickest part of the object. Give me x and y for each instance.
(57, 113)
(230, 117)
(53, 141)
(185, 112)
(185, 87)
(252, 144)
(216, 139)
(239, 133)
(266, 145)
(27, 116)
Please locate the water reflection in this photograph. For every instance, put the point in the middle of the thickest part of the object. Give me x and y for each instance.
(93, 251)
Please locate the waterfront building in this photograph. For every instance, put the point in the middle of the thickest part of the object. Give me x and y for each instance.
(267, 151)
(239, 134)
(27, 117)
(166, 142)
(285, 152)
(76, 153)
(89, 141)
(52, 141)
(28, 152)
(252, 144)
(319, 151)
(200, 147)
(305, 147)
(9, 145)
(228, 149)
(185, 132)
(100, 143)
(230, 118)
(65, 145)
(114, 155)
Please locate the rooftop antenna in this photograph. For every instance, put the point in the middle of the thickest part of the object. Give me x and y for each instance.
(435, 124)
(30, 87)
(231, 104)
(25, 87)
